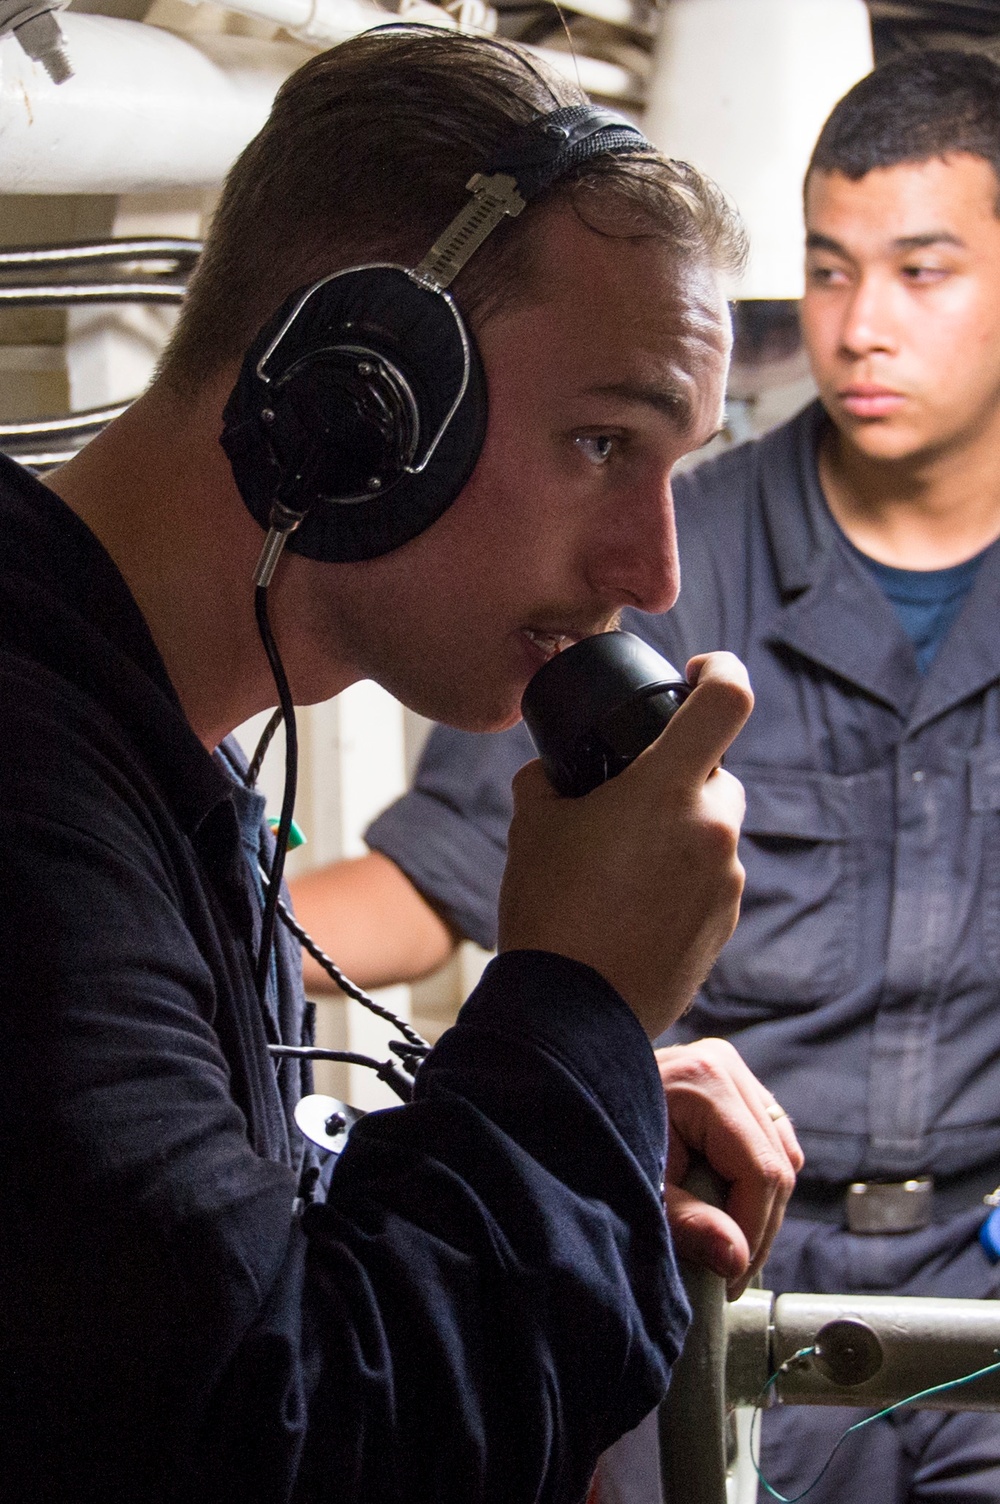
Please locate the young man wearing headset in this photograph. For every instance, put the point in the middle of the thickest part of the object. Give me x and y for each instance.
(487, 1296)
(849, 558)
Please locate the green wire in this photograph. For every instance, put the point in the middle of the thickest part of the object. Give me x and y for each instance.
(807, 1352)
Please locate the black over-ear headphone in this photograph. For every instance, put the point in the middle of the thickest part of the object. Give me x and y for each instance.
(360, 409)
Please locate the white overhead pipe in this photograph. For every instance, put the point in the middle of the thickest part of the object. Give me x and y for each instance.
(144, 111)
(326, 22)
(147, 110)
(740, 88)
(607, 80)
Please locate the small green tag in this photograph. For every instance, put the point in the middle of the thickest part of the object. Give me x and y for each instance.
(296, 837)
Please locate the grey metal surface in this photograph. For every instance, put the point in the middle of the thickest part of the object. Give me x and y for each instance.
(50, 275)
(748, 1346)
(172, 248)
(32, 276)
(924, 1342)
(693, 1415)
(898, 1346)
(45, 443)
(89, 421)
(34, 24)
(692, 1418)
(905, 1206)
(41, 295)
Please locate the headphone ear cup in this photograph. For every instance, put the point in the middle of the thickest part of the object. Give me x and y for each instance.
(349, 418)
(359, 386)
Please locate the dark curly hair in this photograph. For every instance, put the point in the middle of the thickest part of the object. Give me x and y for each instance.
(912, 108)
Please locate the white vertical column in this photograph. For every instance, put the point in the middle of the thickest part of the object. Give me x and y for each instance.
(112, 349)
(351, 765)
(740, 88)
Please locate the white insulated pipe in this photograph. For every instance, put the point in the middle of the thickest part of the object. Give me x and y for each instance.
(595, 74)
(147, 110)
(144, 111)
(740, 88)
(324, 23)
(327, 22)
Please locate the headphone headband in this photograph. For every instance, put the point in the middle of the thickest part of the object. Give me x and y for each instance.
(536, 157)
(555, 143)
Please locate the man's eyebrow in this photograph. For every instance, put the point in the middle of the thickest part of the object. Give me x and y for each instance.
(930, 237)
(672, 401)
(817, 242)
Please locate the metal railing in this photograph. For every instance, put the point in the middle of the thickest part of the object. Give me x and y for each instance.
(865, 1351)
(150, 269)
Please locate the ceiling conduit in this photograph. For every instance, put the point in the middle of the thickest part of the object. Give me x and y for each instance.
(147, 110)
(151, 269)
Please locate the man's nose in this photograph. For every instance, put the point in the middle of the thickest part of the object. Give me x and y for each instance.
(868, 323)
(636, 561)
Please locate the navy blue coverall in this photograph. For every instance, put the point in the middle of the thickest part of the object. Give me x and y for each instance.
(487, 1297)
(863, 981)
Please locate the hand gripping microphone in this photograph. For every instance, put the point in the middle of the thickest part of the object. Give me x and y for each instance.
(595, 706)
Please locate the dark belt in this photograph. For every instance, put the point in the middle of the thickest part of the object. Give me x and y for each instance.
(873, 1206)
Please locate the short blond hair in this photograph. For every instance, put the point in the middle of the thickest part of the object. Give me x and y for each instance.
(366, 155)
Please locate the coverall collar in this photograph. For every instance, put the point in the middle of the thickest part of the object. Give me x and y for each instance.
(835, 613)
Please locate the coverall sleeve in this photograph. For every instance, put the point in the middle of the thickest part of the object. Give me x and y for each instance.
(448, 833)
(485, 1302)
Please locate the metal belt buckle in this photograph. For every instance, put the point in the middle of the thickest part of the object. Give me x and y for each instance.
(903, 1206)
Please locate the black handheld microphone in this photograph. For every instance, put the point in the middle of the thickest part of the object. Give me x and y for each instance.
(595, 706)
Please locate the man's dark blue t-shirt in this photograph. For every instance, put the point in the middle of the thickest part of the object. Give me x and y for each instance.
(927, 601)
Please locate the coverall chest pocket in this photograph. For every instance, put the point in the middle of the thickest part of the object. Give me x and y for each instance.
(796, 942)
(984, 806)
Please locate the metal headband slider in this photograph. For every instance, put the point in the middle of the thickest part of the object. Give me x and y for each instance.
(492, 198)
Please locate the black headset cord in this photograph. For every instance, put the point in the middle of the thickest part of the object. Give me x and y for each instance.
(417, 1047)
(287, 798)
